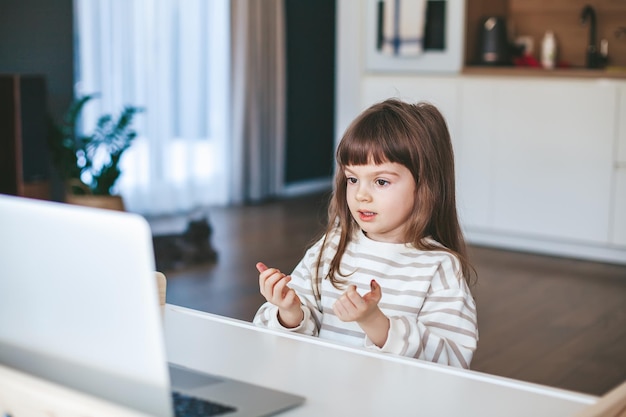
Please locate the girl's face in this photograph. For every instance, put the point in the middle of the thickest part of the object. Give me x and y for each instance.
(381, 198)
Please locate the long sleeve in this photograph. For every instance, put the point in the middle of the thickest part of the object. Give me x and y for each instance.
(302, 283)
(445, 329)
(430, 307)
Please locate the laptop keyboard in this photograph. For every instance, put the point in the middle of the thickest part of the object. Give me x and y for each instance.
(188, 406)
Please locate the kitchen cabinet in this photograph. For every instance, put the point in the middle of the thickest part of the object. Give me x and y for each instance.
(475, 182)
(618, 230)
(550, 147)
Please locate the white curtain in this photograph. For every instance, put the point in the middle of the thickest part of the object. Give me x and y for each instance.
(170, 57)
(211, 77)
(258, 86)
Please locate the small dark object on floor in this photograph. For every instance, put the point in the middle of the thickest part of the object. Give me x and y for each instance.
(192, 247)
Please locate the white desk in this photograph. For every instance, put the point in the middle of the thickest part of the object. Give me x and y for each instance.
(343, 381)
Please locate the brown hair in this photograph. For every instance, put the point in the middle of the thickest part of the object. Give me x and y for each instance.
(416, 136)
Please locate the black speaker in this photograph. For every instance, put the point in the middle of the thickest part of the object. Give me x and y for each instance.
(24, 157)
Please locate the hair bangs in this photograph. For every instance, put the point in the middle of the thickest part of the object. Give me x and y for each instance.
(371, 140)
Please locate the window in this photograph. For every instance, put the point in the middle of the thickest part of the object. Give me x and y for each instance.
(170, 57)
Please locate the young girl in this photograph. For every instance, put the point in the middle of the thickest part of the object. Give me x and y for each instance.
(391, 272)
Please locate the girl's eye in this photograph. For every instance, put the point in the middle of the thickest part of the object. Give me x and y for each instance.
(351, 180)
(381, 182)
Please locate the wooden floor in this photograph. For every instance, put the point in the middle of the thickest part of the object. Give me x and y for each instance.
(552, 321)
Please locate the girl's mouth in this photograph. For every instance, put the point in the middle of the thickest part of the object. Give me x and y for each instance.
(366, 215)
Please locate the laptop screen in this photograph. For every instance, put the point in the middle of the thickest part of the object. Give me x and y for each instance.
(78, 301)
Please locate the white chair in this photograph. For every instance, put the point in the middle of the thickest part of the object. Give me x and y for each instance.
(162, 286)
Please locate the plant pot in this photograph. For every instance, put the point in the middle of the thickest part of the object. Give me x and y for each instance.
(110, 202)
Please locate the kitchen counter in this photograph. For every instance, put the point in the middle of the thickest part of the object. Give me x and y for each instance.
(610, 72)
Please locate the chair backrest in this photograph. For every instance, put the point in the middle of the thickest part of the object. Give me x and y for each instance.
(612, 404)
(162, 286)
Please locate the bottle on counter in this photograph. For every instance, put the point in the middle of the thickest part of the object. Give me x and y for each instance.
(604, 53)
(548, 50)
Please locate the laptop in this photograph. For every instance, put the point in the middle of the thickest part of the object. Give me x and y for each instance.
(79, 307)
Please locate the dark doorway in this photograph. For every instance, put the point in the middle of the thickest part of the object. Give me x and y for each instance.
(310, 89)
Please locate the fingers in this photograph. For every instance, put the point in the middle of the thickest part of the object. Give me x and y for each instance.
(260, 266)
(281, 288)
(353, 297)
(375, 294)
(269, 278)
(340, 311)
(273, 285)
(352, 306)
(290, 297)
(349, 304)
(266, 273)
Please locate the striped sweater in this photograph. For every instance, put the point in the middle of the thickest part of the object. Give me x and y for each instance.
(431, 311)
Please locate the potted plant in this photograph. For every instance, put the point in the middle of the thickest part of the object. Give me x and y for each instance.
(88, 163)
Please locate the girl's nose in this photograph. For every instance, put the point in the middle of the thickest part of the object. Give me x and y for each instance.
(363, 193)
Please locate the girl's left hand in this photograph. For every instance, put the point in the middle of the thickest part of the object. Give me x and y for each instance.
(352, 307)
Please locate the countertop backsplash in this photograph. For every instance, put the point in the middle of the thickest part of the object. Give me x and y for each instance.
(532, 18)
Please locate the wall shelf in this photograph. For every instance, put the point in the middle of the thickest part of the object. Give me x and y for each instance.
(540, 72)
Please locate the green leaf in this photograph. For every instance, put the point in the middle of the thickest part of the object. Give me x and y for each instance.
(73, 152)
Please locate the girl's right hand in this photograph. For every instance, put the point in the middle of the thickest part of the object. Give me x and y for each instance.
(273, 286)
